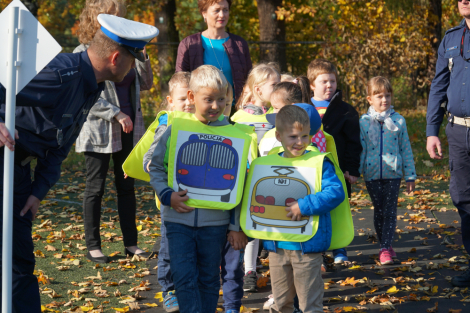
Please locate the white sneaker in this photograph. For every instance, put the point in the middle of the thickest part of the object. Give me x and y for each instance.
(268, 303)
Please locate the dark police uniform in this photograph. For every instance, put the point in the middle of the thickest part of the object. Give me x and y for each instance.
(50, 112)
(452, 85)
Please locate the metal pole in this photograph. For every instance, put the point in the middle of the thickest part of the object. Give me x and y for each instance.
(7, 254)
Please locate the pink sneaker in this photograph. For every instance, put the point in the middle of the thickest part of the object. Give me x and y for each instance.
(385, 257)
(392, 253)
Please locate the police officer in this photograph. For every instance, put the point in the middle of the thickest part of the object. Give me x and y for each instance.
(50, 112)
(450, 88)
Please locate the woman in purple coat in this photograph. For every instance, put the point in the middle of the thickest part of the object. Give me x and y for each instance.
(215, 46)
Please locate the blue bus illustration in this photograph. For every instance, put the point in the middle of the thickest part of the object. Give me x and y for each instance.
(207, 165)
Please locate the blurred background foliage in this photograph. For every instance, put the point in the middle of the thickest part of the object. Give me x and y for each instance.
(365, 38)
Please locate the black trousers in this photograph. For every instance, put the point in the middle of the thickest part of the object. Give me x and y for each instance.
(25, 285)
(97, 165)
(458, 137)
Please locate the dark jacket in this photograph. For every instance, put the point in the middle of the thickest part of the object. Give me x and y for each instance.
(191, 56)
(341, 121)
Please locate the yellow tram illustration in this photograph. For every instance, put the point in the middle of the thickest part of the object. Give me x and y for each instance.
(272, 194)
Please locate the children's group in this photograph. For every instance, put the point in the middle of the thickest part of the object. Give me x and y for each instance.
(267, 177)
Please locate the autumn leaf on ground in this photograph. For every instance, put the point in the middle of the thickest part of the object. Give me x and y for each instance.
(126, 309)
(433, 309)
(262, 282)
(244, 309)
(98, 276)
(39, 254)
(159, 296)
(393, 290)
(43, 279)
(50, 248)
(455, 311)
(114, 254)
(152, 305)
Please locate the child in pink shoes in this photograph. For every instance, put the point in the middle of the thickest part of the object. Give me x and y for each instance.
(386, 158)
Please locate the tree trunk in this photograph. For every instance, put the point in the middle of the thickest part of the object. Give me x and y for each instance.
(32, 6)
(165, 22)
(435, 25)
(272, 29)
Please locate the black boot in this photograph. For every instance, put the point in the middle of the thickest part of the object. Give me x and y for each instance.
(101, 259)
(462, 280)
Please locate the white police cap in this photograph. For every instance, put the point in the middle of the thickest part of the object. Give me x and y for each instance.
(129, 34)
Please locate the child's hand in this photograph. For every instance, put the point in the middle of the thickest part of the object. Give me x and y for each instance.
(148, 166)
(125, 176)
(352, 179)
(238, 240)
(177, 201)
(294, 211)
(410, 186)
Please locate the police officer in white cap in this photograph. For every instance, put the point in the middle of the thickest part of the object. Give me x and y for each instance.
(50, 112)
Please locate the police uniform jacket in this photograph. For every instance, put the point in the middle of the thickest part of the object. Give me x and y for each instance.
(452, 81)
(101, 132)
(50, 112)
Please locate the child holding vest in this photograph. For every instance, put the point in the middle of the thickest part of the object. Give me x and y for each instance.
(340, 120)
(295, 268)
(196, 236)
(386, 157)
(177, 101)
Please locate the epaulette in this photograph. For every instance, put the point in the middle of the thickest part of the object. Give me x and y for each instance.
(460, 26)
(67, 74)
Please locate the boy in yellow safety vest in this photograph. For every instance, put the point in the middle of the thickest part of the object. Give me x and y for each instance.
(196, 236)
(295, 267)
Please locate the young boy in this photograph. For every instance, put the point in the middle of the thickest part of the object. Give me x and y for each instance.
(196, 236)
(177, 101)
(340, 120)
(294, 267)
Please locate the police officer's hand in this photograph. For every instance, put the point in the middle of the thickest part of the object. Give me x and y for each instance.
(177, 202)
(125, 121)
(31, 204)
(294, 211)
(5, 137)
(432, 144)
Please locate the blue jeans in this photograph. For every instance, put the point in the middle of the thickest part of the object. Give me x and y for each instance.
(232, 277)
(195, 256)
(25, 287)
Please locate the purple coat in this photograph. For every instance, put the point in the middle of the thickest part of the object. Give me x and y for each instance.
(191, 56)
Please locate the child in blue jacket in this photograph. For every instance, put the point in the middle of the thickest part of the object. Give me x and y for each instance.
(386, 157)
(295, 267)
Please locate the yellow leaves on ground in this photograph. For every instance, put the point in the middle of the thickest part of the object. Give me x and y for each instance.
(151, 305)
(159, 296)
(393, 290)
(244, 309)
(125, 309)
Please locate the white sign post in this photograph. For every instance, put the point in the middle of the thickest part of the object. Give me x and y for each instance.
(29, 48)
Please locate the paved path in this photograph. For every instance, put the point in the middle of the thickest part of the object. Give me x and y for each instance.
(433, 253)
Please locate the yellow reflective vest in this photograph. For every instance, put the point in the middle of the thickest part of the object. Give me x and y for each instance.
(260, 122)
(210, 162)
(273, 181)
